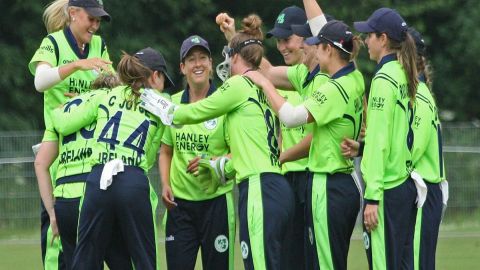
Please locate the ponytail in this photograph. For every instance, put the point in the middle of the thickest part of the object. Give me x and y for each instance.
(407, 56)
(353, 46)
(424, 68)
(133, 73)
(55, 16)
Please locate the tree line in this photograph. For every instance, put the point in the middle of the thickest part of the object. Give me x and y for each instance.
(449, 27)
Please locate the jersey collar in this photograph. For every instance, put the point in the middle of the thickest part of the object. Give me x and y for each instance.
(186, 93)
(387, 58)
(349, 68)
(311, 75)
(73, 44)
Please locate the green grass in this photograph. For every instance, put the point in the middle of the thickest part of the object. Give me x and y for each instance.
(455, 251)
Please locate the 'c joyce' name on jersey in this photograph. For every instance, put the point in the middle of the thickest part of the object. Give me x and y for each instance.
(191, 142)
(119, 104)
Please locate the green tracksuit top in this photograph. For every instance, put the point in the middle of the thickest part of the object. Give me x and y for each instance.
(208, 139)
(337, 109)
(386, 158)
(124, 130)
(250, 123)
(427, 146)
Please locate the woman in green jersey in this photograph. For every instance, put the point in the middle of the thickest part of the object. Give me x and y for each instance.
(390, 193)
(118, 192)
(266, 200)
(333, 197)
(72, 171)
(301, 76)
(198, 213)
(66, 62)
(428, 162)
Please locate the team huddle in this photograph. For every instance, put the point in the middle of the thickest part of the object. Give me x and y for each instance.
(286, 136)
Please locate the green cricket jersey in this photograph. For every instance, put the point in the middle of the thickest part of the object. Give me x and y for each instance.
(250, 124)
(124, 130)
(427, 146)
(63, 44)
(75, 149)
(386, 158)
(337, 108)
(304, 82)
(208, 139)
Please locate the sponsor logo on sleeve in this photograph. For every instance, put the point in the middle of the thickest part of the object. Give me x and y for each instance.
(319, 97)
(377, 103)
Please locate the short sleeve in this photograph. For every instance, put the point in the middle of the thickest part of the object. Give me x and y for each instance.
(45, 53)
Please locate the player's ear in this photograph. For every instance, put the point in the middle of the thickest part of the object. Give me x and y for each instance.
(182, 68)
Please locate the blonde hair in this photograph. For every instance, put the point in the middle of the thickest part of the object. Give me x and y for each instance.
(251, 29)
(55, 16)
(106, 80)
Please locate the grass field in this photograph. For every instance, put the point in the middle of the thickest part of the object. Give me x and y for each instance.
(455, 251)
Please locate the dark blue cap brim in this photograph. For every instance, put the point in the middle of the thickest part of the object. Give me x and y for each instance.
(185, 53)
(279, 33)
(363, 27)
(98, 12)
(302, 30)
(168, 81)
(312, 41)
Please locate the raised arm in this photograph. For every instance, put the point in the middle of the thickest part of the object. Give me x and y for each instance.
(315, 16)
(227, 25)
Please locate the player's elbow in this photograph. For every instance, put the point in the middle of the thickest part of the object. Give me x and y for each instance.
(291, 116)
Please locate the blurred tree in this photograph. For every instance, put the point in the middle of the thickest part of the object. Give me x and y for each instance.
(165, 24)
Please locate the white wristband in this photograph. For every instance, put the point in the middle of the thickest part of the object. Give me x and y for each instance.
(46, 77)
(317, 23)
(293, 116)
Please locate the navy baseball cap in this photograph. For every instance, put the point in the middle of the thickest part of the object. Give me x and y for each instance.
(191, 42)
(92, 7)
(384, 20)
(335, 32)
(283, 24)
(303, 30)
(154, 61)
(419, 41)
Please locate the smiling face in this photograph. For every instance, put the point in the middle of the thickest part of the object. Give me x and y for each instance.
(83, 25)
(197, 66)
(291, 49)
